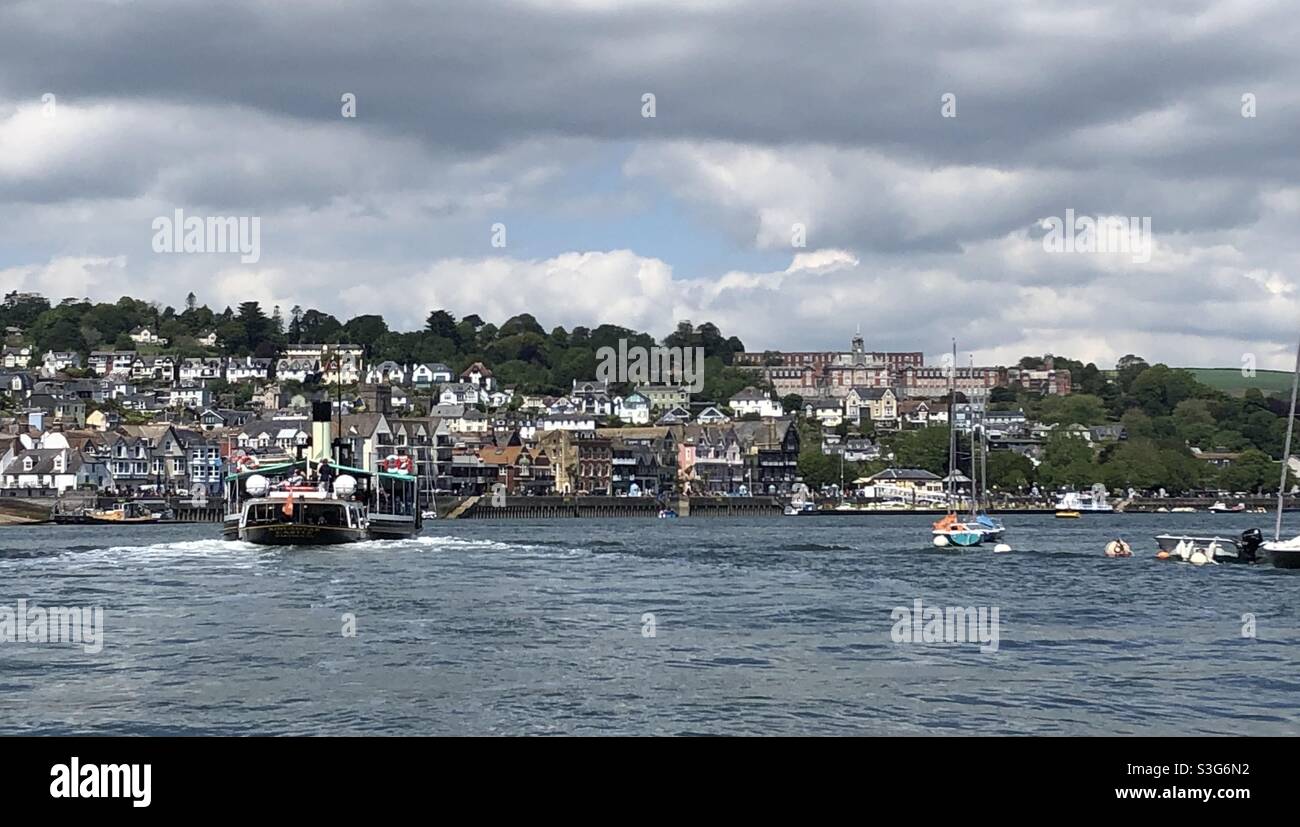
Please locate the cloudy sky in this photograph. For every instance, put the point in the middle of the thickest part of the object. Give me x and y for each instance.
(767, 114)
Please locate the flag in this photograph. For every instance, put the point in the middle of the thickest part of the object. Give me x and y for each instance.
(288, 505)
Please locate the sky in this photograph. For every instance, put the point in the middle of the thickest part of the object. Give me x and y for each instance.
(809, 170)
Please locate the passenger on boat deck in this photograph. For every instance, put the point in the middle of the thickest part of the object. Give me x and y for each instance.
(326, 473)
(296, 478)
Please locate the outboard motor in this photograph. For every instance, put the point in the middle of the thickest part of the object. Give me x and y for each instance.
(1251, 540)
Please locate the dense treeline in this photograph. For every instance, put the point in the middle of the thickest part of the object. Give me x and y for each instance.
(520, 351)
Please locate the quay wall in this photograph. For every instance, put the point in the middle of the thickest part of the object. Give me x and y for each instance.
(534, 508)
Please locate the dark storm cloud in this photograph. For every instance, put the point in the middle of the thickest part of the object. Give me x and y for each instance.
(479, 73)
(768, 113)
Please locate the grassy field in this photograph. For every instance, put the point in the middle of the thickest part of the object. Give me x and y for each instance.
(1230, 380)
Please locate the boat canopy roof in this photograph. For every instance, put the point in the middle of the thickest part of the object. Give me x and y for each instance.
(284, 468)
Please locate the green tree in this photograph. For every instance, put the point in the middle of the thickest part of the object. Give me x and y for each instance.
(1008, 470)
(1159, 389)
(1067, 461)
(1254, 472)
(1081, 408)
(924, 448)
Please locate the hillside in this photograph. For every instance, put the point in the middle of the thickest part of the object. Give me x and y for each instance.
(1230, 380)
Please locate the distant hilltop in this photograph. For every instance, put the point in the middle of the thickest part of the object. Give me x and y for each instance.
(1233, 381)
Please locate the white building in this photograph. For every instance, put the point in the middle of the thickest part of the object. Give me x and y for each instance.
(753, 401)
(147, 336)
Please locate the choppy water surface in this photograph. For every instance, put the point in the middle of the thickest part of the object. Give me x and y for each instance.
(776, 626)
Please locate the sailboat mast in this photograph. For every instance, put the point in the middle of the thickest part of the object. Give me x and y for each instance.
(952, 428)
(984, 459)
(1286, 450)
(970, 408)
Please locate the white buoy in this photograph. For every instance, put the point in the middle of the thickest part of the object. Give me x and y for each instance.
(1198, 558)
(1001, 548)
(940, 540)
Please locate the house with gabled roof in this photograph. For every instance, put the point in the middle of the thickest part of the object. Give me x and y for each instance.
(146, 335)
(753, 401)
(828, 412)
(674, 416)
(57, 361)
(709, 460)
(425, 376)
(479, 374)
(200, 370)
(877, 404)
(711, 415)
(249, 369)
(105, 362)
(460, 393)
(770, 448)
(633, 409)
(386, 372)
(16, 356)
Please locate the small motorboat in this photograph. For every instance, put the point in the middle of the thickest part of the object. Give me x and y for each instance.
(667, 514)
(1222, 508)
(131, 513)
(1072, 504)
(1199, 550)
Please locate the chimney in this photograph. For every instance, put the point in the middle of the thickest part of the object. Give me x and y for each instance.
(322, 431)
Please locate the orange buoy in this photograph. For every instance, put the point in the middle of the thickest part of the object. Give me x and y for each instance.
(1162, 555)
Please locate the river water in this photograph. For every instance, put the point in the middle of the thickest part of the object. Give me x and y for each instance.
(762, 626)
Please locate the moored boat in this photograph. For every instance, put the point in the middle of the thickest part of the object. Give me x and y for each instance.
(123, 513)
(1074, 504)
(1285, 554)
(952, 529)
(1223, 508)
(1189, 548)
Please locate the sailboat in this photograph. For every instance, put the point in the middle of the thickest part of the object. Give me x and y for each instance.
(1285, 554)
(952, 529)
(993, 527)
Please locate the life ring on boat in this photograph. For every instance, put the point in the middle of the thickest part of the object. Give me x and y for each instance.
(393, 462)
(246, 461)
